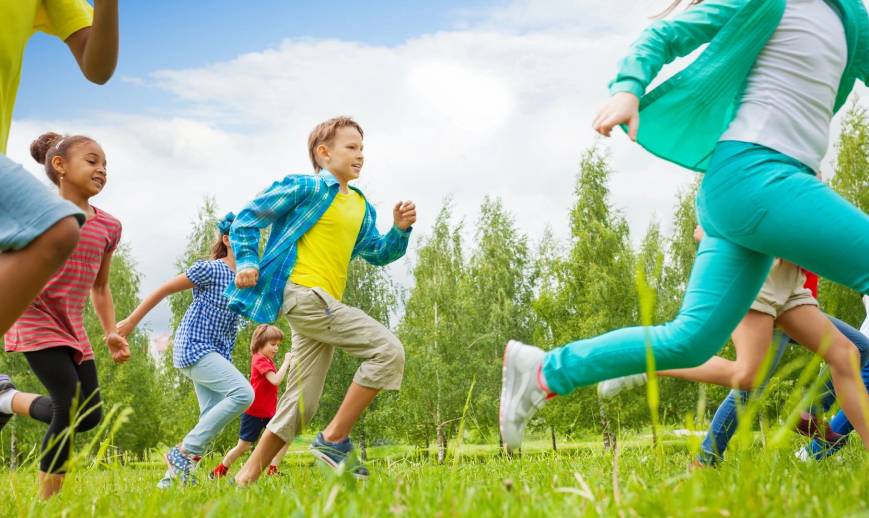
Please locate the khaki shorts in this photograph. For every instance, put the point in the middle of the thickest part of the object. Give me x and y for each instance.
(783, 290)
(320, 325)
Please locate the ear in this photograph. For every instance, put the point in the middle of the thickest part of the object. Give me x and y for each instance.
(225, 239)
(57, 165)
(322, 152)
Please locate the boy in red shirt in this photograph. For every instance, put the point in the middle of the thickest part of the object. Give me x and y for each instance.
(265, 380)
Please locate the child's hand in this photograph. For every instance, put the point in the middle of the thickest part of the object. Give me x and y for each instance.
(247, 278)
(622, 108)
(119, 347)
(125, 327)
(287, 356)
(404, 214)
(698, 233)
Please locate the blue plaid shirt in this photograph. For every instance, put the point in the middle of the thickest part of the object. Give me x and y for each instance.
(208, 325)
(291, 207)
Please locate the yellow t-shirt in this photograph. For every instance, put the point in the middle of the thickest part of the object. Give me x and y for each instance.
(19, 19)
(325, 250)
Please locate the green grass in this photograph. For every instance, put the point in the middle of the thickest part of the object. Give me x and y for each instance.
(576, 481)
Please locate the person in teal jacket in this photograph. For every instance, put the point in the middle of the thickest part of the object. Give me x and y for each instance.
(753, 112)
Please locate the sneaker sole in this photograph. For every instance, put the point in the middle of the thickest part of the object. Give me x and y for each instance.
(325, 459)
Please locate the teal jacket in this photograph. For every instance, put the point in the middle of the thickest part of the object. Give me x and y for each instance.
(682, 119)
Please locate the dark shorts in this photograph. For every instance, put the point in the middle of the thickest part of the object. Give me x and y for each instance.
(252, 427)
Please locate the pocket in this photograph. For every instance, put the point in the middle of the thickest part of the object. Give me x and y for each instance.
(324, 298)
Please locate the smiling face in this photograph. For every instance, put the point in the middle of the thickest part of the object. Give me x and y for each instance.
(83, 169)
(342, 156)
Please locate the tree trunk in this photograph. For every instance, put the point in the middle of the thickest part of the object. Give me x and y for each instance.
(554, 445)
(609, 438)
(442, 444)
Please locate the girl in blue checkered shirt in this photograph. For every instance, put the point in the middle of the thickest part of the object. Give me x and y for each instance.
(202, 349)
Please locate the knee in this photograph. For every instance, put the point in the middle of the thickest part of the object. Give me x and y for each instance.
(91, 420)
(843, 356)
(243, 395)
(393, 354)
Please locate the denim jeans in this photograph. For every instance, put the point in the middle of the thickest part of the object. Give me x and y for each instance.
(223, 394)
(725, 421)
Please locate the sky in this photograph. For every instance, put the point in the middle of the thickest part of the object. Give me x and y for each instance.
(457, 99)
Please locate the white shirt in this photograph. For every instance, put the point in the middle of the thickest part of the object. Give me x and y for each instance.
(789, 97)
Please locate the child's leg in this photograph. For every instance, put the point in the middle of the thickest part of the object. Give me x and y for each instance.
(809, 327)
(214, 374)
(305, 379)
(726, 419)
(320, 317)
(233, 454)
(69, 385)
(277, 459)
(861, 341)
(751, 339)
(38, 231)
(724, 281)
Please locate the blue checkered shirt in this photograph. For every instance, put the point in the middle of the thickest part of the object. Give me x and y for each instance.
(208, 325)
(291, 207)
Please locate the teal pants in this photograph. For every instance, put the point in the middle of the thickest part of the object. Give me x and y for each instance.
(754, 204)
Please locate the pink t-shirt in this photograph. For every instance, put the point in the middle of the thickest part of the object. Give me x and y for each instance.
(56, 317)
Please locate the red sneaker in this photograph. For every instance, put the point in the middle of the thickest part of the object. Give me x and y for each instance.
(812, 426)
(273, 470)
(218, 472)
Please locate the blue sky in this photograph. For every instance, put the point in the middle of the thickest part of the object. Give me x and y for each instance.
(172, 34)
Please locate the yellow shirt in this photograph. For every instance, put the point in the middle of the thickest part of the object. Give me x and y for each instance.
(325, 250)
(19, 19)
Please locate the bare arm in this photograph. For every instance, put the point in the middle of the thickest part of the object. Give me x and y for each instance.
(104, 306)
(95, 48)
(173, 285)
(275, 378)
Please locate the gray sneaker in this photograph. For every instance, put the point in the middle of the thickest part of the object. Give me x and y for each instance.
(5, 386)
(521, 396)
(611, 388)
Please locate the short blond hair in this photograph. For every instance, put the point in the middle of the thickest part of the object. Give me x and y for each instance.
(263, 334)
(324, 133)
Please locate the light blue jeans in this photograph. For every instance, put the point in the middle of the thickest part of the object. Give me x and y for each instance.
(754, 204)
(726, 419)
(223, 393)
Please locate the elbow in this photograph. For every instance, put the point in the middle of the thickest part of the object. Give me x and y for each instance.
(99, 77)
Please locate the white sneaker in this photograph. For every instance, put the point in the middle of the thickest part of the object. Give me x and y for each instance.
(611, 388)
(521, 396)
(803, 454)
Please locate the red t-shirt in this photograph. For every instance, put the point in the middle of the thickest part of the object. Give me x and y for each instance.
(56, 317)
(265, 395)
(811, 283)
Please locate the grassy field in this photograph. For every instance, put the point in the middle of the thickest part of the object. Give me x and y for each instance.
(578, 480)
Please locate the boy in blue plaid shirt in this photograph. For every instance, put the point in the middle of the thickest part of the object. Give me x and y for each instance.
(318, 224)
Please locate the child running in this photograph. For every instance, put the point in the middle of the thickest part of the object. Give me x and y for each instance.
(265, 380)
(202, 350)
(753, 112)
(38, 230)
(830, 439)
(50, 333)
(318, 223)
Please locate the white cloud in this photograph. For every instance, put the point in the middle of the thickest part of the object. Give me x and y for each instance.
(502, 108)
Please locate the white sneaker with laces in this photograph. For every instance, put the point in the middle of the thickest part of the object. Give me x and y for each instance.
(521, 396)
(611, 388)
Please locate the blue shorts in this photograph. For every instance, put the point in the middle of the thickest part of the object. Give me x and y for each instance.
(28, 208)
(252, 427)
